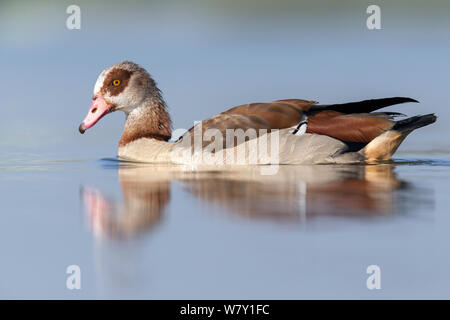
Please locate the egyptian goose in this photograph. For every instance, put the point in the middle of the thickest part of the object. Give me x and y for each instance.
(295, 131)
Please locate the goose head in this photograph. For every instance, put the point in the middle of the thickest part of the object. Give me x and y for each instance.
(124, 86)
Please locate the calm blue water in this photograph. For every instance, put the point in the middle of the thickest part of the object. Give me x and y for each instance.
(165, 232)
(157, 232)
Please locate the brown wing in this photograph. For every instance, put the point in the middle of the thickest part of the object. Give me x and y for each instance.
(361, 128)
(278, 114)
(354, 121)
(272, 115)
(349, 122)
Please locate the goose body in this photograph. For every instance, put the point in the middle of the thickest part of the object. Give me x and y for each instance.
(307, 149)
(291, 131)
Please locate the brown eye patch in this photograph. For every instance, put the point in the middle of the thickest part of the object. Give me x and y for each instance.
(116, 81)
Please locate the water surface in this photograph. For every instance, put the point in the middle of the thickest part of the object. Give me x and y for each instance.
(154, 231)
(170, 232)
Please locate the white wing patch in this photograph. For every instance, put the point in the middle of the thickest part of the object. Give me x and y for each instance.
(301, 127)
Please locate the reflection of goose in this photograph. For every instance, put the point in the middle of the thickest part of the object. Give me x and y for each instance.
(295, 193)
(144, 200)
(305, 191)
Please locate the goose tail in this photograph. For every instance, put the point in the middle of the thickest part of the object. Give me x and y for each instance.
(384, 146)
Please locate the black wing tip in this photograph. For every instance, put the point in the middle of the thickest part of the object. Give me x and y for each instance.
(415, 122)
(363, 106)
(406, 99)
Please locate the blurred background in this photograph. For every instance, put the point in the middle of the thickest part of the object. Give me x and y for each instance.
(211, 55)
(307, 232)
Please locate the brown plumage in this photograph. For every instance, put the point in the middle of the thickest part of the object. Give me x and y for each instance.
(349, 127)
(152, 122)
(352, 123)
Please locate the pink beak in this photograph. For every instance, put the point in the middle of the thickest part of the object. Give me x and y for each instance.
(98, 109)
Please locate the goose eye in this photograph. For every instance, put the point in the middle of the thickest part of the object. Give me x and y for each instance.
(116, 83)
